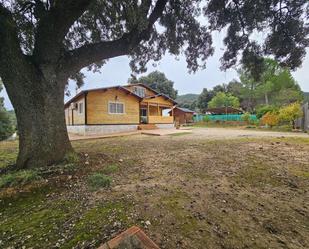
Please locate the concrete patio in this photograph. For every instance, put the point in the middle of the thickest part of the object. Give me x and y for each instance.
(165, 132)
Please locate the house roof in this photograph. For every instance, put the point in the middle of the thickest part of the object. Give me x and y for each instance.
(82, 93)
(184, 109)
(157, 94)
(123, 88)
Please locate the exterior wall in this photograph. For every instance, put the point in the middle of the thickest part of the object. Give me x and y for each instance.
(78, 118)
(97, 107)
(87, 130)
(67, 116)
(183, 117)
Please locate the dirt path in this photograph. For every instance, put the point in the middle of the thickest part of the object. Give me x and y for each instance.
(224, 133)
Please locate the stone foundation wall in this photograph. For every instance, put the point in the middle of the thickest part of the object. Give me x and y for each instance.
(76, 129)
(100, 129)
(86, 130)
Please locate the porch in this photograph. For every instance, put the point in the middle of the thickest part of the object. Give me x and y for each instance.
(156, 113)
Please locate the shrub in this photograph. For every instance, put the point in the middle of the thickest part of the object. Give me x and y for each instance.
(290, 112)
(246, 117)
(21, 177)
(98, 180)
(262, 110)
(270, 118)
(206, 118)
(109, 169)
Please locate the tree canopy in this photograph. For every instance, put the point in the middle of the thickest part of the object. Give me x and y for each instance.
(157, 81)
(285, 24)
(275, 86)
(222, 99)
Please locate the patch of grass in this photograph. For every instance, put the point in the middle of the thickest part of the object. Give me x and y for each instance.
(18, 178)
(302, 172)
(43, 218)
(257, 174)
(97, 221)
(109, 169)
(33, 221)
(174, 204)
(71, 157)
(8, 153)
(98, 180)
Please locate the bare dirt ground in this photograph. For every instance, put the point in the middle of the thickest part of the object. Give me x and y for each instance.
(193, 191)
(224, 133)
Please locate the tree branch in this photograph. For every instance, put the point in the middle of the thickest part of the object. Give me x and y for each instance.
(81, 57)
(11, 54)
(16, 69)
(53, 27)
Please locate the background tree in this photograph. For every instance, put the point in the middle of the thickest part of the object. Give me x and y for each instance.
(188, 101)
(43, 43)
(203, 99)
(223, 100)
(6, 123)
(275, 86)
(157, 81)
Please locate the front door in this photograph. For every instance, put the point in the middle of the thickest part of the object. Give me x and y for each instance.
(143, 115)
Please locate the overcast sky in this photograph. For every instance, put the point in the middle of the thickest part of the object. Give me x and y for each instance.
(117, 72)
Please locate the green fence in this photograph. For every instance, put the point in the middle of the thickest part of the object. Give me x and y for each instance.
(222, 117)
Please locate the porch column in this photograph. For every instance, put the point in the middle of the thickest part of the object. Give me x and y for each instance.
(148, 112)
(158, 110)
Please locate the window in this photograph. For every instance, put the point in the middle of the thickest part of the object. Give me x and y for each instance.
(115, 108)
(80, 108)
(143, 112)
(140, 91)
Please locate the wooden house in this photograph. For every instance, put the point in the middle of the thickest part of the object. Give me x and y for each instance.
(117, 109)
(182, 115)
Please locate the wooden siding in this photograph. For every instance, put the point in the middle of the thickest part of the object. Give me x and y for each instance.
(78, 118)
(160, 120)
(155, 111)
(158, 100)
(97, 107)
(182, 117)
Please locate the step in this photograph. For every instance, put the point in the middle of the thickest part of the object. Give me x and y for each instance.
(147, 127)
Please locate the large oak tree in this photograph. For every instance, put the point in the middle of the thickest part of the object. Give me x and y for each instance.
(43, 43)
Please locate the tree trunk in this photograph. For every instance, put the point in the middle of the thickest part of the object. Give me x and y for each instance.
(43, 138)
(266, 99)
